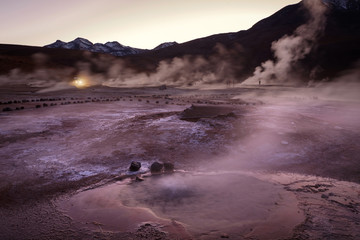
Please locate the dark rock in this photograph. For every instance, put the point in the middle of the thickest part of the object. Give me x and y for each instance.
(134, 166)
(156, 167)
(168, 167)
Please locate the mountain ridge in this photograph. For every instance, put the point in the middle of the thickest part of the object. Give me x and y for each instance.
(113, 47)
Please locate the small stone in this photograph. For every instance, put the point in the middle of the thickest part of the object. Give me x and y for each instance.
(156, 167)
(324, 196)
(135, 166)
(168, 167)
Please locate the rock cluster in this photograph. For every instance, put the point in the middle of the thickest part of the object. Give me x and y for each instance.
(157, 168)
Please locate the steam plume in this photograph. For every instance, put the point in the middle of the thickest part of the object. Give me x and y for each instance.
(181, 72)
(288, 50)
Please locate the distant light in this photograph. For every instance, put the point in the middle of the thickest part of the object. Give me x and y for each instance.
(80, 82)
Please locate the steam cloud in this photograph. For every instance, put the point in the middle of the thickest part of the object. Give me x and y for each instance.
(288, 50)
(181, 72)
(188, 71)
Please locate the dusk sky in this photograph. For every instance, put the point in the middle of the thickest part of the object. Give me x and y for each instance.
(136, 23)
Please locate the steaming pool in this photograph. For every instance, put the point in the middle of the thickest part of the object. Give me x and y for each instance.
(205, 205)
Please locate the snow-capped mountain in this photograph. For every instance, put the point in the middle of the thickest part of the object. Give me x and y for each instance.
(79, 43)
(57, 44)
(114, 45)
(113, 48)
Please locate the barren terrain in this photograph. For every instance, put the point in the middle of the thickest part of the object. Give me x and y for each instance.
(250, 163)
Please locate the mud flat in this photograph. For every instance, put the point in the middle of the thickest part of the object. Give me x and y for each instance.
(248, 166)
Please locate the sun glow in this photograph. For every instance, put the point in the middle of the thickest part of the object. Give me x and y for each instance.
(80, 83)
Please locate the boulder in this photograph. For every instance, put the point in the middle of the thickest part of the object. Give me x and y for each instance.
(168, 167)
(156, 167)
(135, 166)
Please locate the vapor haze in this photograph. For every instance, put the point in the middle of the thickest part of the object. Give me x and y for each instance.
(288, 50)
(188, 71)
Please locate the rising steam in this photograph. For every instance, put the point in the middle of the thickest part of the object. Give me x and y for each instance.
(186, 71)
(288, 50)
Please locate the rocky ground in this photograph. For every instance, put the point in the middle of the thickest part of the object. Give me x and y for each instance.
(61, 146)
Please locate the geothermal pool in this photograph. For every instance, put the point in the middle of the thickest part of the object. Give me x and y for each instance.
(205, 204)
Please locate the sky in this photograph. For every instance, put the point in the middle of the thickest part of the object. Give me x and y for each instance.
(136, 23)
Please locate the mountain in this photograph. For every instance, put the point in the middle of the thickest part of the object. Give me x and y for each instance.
(165, 45)
(336, 49)
(113, 48)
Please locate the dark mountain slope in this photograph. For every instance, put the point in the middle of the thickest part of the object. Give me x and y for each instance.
(255, 43)
(337, 49)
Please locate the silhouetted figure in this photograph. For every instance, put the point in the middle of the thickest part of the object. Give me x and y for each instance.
(259, 82)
